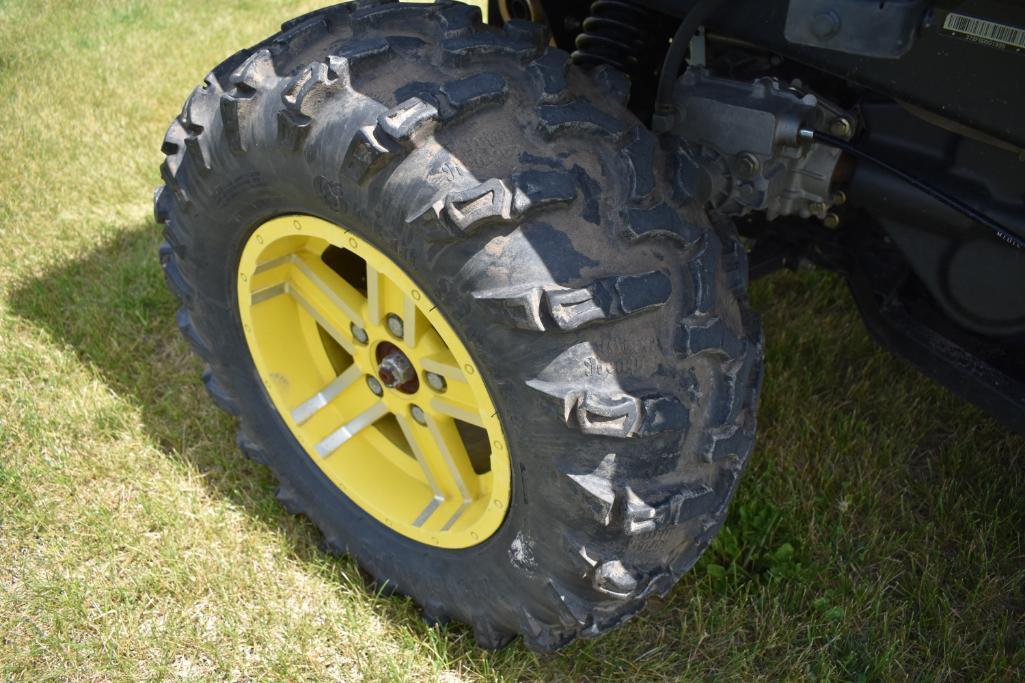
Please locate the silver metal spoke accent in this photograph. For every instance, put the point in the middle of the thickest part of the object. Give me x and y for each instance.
(303, 267)
(351, 428)
(422, 518)
(456, 515)
(458, 412)
(273, 263)
(409, 431)
(266, 293)
(409, 315)
(440, 365)
(373, 296)
(310, 406)
(326, 290)
(453, 471)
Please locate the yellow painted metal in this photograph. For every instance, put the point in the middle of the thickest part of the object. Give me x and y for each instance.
(431, 464)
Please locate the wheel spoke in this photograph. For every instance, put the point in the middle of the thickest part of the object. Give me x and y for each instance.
(351, 428)
(325, 291)
(415, 324)
(326, 297)
(421, 519)
(447, 461)
(458, 400)
(444, 364)
(308, 408)
(374, 296)
(457, 409)
(409, 430)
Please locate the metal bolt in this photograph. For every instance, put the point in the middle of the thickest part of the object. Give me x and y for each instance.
(436, 381)
(842, 127)
(818, 209)
(831, 221)
(825, 24)
(747, 164)
(418, 414)
(374, 385)
(358, 333)
(839, 198)
(395, 325)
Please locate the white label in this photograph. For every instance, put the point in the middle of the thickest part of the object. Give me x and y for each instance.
(985, 30)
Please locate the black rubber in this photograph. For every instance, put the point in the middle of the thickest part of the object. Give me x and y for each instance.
(610, 324)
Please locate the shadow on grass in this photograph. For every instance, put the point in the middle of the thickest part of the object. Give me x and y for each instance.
(112, 308)
(861, 464)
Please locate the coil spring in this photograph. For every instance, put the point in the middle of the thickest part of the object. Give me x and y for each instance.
(613, 33)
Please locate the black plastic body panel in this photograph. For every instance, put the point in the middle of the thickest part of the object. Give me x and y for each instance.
(976, 84)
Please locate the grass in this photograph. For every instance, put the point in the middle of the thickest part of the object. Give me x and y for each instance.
(877, 535)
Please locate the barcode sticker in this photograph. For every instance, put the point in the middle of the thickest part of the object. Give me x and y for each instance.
(987, 32)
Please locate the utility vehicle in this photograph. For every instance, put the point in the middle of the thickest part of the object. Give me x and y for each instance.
(474, 278)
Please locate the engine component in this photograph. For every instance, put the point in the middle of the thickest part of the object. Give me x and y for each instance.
(615, 34)
(741, 143)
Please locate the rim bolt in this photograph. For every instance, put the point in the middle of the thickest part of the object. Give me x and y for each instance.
(358, 333)
(375, 386)
(395, 325)
(436, 381)
(418, 414)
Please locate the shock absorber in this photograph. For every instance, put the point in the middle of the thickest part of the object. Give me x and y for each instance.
(614, 33)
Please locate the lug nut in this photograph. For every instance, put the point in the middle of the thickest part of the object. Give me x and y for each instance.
(395, 370)
(375, 386)
(831, 221)
(436, 381)
(839, 198)
(358, 333)
(395, 325)
(418, 414)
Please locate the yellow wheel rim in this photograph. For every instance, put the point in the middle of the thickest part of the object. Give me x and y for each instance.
(373, 382)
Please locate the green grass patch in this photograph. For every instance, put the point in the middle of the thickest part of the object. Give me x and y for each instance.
(878, 533)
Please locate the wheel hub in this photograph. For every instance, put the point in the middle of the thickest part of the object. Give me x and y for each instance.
(395, 370)
(341, 337)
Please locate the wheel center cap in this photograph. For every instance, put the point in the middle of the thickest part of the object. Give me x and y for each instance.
(395, 370)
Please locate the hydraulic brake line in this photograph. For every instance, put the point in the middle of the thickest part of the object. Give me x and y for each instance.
(939, 195)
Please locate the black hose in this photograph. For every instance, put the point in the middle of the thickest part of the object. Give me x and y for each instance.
(692, 21)
(939, 195)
